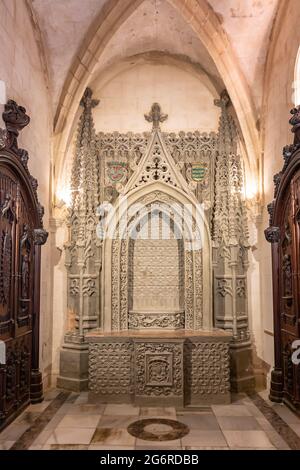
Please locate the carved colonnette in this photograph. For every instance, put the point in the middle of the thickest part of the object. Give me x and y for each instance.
(177, 368)
(21, 237)
(83, 253)
(230, 247)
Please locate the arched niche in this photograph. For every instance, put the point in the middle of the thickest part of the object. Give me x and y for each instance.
(187, 222)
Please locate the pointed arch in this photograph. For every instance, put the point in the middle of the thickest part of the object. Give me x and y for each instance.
(206, 24)
(198, 263)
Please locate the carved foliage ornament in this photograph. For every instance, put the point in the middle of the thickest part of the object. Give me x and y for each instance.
(15, 119)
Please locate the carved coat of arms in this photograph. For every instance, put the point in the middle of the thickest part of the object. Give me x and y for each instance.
(198, 172)
(116, 171)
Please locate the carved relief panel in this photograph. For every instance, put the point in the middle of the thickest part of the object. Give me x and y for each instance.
(120, 154)
(159, 370)
(156, 276)
(195, 149)
(8, 194)
(287, 305)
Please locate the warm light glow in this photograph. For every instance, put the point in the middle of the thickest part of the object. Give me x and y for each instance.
(64, 196)
(296, 84)
(251, 190)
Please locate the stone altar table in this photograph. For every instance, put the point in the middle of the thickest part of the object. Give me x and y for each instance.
(154, 368)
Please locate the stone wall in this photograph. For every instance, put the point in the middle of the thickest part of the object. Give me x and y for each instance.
(187, 99)
(276, 134)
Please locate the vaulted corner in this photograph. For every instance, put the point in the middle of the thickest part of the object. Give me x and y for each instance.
(207, 37)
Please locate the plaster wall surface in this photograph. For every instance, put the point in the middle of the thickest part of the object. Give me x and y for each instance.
(277, 132)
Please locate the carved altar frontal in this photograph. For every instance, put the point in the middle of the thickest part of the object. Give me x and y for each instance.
(171, 369)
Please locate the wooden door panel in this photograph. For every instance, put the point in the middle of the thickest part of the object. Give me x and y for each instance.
(8, 192)
(24, 268)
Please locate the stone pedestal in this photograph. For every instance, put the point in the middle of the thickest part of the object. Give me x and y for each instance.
(36, 387)
(73, 364)
(276, 389)
(241, 364)
(177, 368)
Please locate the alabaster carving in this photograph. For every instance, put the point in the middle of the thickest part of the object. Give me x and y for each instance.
(120, 280)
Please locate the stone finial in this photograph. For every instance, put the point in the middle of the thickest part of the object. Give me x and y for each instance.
(87, 101)
(40, 236)
(155, 116)
(223, 101)
(15, 117)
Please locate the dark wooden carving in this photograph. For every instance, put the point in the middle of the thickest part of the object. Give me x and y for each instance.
(284, 235)
(21, 237)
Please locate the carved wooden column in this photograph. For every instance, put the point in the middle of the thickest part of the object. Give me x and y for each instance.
(83, 253)
(272, 235)
(230, 257)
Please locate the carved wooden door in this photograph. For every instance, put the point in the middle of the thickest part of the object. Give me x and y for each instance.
(284, 235)
(289, 286)
(16, 289)
(21, 234)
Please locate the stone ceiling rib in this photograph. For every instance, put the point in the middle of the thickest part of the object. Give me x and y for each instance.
(206, 24)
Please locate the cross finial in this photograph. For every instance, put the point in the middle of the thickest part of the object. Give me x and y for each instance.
(224, 100)
(155, 116)
(87, 101)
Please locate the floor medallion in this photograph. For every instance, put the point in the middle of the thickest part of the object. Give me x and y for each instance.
(158, 429)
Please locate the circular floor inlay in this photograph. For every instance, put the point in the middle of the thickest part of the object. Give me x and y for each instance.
(158, 429)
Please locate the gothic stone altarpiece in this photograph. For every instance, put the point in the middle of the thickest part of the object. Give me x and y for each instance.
(142, 301)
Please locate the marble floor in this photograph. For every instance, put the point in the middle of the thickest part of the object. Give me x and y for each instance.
(68, 421)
